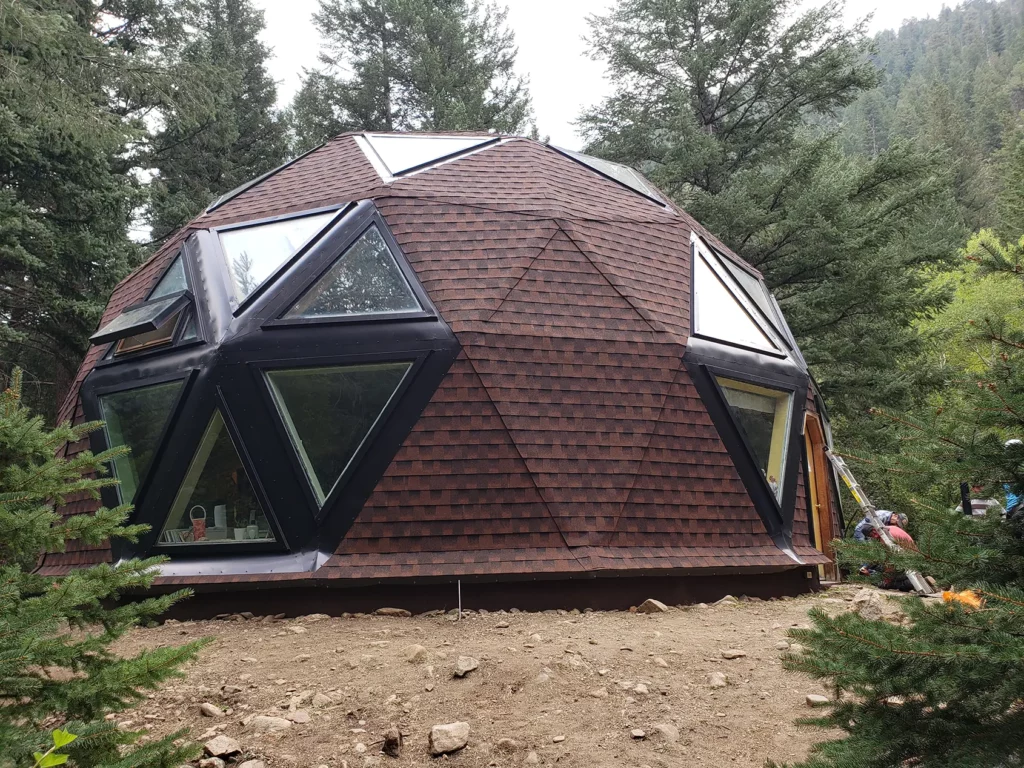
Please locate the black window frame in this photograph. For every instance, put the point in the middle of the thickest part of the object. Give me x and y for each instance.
(707, 362)
(91, 396)
(240, 307)
(192, 310)
(344, 233)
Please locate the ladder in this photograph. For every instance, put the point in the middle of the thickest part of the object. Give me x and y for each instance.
(919, 583)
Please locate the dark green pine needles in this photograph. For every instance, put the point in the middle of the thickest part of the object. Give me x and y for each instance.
(57, 669)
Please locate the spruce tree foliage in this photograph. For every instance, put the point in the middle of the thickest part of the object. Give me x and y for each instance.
(230, 130)
(720, 102)
(78, 79)
(945, 689)
(396, 65)
(57, 668)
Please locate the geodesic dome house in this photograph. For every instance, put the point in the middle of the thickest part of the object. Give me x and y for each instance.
(407, 359)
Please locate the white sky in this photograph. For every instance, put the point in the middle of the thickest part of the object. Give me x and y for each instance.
(563, 80)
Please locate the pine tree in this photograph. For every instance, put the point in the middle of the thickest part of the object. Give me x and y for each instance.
(721, 103)
(944, 689)
(57, 668)
(392, 65)
(230, 132)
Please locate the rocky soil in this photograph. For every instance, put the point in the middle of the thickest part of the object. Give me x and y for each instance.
(700, 686)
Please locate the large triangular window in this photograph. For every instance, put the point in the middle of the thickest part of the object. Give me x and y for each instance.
(216, 503)
(755, 289)
(328, 413)
(256, 252)
(763, 418)
(401, 154)
(721, 310)
(137, 418)
(365, 280)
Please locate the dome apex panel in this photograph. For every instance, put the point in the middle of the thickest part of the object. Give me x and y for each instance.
(552, 411)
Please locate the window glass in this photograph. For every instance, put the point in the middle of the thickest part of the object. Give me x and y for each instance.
(328, 413)
(365, 280)
(173, 281)
(401, 153)
(621, 173)
(216, 504)
(138, 318)
(719, 315)
(190, 333)
(160, 337)
(255, 253)
(763, 416)
(754, 288)
(136, 418)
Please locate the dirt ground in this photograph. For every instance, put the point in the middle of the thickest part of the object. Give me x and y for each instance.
(569, 687)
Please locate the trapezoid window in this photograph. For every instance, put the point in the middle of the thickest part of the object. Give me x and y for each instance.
(216, 503)
(137, 418)
(404, 153)
(328, 413)
(142, 318)
(718, 314)
(254, 253)
(365, 280)
(763, 417)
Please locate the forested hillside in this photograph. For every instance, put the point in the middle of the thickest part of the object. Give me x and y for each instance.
(955, 82)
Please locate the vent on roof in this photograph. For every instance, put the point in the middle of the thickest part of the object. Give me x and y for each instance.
(616, 172)
(404, 153)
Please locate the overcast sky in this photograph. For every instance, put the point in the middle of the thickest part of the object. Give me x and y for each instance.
(563, 80)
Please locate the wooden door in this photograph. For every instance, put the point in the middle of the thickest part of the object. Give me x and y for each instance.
(819, 483)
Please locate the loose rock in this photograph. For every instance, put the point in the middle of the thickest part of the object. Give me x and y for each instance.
(660, 662)
(222, 746)
(253, 764)
(557, 739)
(532, 759)
(448, 738)
(718, 680)
(268, 724)
(782, 645)
(297, 629)
(464, 665)
(506, 745)
(869, 605)
(667, 731)
(300, 717)
(599, 693)
(636, 733)
(415, 653)
(641, 689)
(393, 743)
(733, 653)
(210, 710)
(321, 700)
(399, 612)
(651, 605)
(816, 700)
(211, 762)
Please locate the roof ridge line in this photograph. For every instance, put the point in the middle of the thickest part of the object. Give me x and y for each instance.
(525, 271)
(533, 480)
(607, 279)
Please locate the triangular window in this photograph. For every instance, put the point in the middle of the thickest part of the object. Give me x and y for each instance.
(328, 413)
(755, 289)
(763, 417)
(173, 281)
(255, 253)
(621, 173)
(216, 503)
(365, 280)
(137, 418)
(405, 153)
(719, 315)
